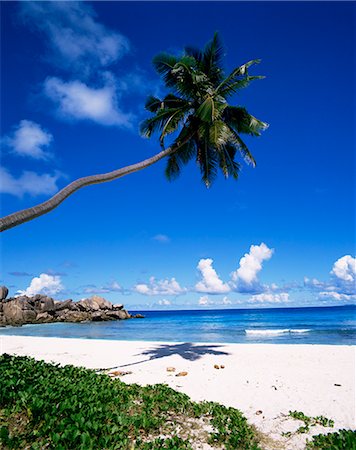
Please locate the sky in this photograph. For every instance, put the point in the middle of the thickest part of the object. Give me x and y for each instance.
(74, 80)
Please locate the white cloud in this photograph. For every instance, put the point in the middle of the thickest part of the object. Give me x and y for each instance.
(341, 286)
(226, 301)
(204, 301)
(160, 287)
(314, 283)
(75, 100)
(29, 139)
(28, 183)
(164, 302)
(44, 284)
(114, 286)
(211, 282)
(77, 40)
(161, 238)
(283, 297)
(345, 268)
(251, 264)
(332, 295)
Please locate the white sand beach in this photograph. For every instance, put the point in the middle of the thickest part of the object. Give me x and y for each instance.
(315, 379)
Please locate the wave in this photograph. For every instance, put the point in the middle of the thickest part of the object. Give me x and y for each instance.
(274, 332)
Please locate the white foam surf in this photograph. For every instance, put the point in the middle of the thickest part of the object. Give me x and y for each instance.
(275, 332)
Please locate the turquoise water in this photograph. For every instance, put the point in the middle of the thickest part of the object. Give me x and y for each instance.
(327, 325)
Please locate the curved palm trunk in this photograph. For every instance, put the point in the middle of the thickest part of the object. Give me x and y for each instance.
(26, 215)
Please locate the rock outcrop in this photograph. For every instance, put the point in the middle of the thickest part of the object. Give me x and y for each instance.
(3, 293)
(43, 309)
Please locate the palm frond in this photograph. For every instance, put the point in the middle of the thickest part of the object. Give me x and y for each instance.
(232, 167)
(239, 71)
(172, 101)
(172, 170)
(178, 159)
(172, 122)
(206, 110)
(208, 165)
(238, 79)
(185, 63)
(164, 63)
(157, 122)
(212, 59)
(243, 122)
(219, 134)
(242, 147)
(153, 104)
(189, 82)
(206, 156)
(194, 52)
(233, 87)
(223, 163)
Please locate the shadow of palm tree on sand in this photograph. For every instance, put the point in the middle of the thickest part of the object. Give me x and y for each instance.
(187, 350)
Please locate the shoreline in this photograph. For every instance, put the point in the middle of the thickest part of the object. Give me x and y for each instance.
(319, 327)
(156, 341)
(272, 378)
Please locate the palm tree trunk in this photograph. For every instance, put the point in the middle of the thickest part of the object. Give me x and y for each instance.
(28, 214)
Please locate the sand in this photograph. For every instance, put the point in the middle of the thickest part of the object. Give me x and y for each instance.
(315, 379)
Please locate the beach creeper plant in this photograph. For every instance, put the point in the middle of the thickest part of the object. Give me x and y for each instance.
(196, 112)
(46, 406)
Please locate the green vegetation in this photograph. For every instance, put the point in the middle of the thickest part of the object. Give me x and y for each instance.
(343, 440)
(197, 108)
(310, 421)
(48, 406)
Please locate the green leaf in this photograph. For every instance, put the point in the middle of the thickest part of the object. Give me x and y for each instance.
(240, 71)
(153, 104)
(206, 110)
(164, 64)
(240, 120)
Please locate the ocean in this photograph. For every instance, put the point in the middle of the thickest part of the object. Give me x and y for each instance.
(321, 325)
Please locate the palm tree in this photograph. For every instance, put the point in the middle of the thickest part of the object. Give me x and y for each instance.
(203, 125)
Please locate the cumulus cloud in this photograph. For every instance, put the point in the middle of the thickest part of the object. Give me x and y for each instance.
(266, 297)
(28, 182)
(226, 301)
(210, 283)
(251, 264)
(164, 302)
(341, 285)
(345, 268)
(160, 287)
(332, 295)
(163, 238)
(314, 283)
(29, 139)
(77, 101)
(44, 284)
(204, 301)
(77, 40)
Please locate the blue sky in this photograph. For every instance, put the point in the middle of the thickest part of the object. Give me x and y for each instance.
(74, 80)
